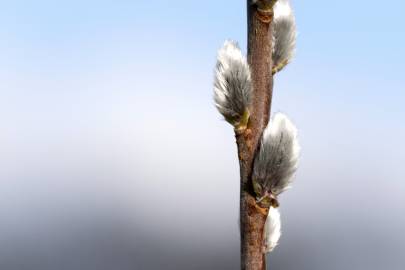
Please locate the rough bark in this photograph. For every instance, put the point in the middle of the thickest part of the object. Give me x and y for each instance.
(252, 215)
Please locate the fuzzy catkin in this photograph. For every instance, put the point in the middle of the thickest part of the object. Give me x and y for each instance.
(284, 35)
(277, 159)
(272, 229)
(232, 83)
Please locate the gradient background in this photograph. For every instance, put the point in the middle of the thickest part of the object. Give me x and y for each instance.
(112, 155)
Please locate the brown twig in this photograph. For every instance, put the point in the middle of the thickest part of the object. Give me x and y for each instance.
(252, 215)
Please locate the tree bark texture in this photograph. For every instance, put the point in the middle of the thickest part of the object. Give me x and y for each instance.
(252, 215)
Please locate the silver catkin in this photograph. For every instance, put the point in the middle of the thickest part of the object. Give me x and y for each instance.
(232, 83)
(277, 159)
(284, 35)
(272, 229)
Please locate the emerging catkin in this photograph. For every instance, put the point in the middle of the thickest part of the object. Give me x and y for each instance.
(284, 35)
(232, 84)
(272, 229)
(277, 159)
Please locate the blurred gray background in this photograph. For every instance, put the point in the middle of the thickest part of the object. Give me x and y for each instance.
(112, 155)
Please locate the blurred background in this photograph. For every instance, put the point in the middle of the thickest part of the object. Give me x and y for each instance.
(113, 157)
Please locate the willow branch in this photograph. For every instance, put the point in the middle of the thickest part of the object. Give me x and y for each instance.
(252, 215)
(268, 152)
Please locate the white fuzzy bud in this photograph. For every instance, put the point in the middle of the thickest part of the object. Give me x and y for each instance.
(277, 159)
(272, 229)
(232, 85)
(284, 35)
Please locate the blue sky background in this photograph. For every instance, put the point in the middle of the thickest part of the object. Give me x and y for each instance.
(110, 145)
